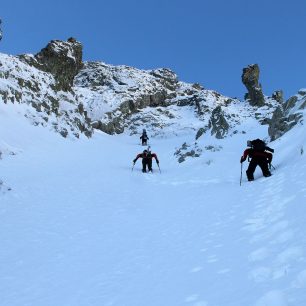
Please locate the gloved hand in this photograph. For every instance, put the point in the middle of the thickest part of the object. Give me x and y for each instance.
(134, 161)
(242, 160)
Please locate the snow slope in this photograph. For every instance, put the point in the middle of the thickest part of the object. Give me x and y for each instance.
(79, 228)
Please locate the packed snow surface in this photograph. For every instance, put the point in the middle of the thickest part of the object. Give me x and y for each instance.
(79, 228)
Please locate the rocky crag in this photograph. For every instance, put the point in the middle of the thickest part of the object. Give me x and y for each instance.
(74, 98)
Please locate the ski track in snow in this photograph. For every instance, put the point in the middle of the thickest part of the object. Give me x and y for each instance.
(79, 228)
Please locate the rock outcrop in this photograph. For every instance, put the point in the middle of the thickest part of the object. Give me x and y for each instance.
(218, 124)
(287, 115)
(187, 151)
(22, 82)
(278, 96)
(250, 78)
(63, 60)
(116, 93)
(74, 98)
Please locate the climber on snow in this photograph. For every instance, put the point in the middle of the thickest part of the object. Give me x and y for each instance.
(144, 138)
(147, 157)
(259, 157)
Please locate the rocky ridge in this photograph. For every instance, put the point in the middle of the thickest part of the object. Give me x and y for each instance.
(287, 115)
(74, 97)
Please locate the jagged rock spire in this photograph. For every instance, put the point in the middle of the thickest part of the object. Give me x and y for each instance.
(250, 78)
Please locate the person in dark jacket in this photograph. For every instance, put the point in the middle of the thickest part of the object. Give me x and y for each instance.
(144, 138)
(147, 157)
(259, 157)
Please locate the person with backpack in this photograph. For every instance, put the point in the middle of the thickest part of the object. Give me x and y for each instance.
(259, 157)
(144, 138)
(147, 157)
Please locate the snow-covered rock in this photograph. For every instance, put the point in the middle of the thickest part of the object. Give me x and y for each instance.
(287, 115)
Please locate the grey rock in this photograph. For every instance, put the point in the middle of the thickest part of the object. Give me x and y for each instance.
(286, 116)
(197, 86)
(302, 92)
(278, 124)
(166, 77)
(213, 148)
(290, 103)
(278, 96)
(218, 124)
(200, 132)
(250, 78)
(183, 152)
(61, 58)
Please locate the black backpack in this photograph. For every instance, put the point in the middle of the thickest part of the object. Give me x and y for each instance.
(258, 145)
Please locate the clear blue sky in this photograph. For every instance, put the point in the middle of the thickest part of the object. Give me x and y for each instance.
(208, 42)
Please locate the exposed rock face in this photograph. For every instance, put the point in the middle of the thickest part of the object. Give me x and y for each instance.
(250, 78)
(124, 91)
(23, 83)
(218, 124)
(63, 60)
(287, 115)
(166, 77)
(74, 98)
(278, 96)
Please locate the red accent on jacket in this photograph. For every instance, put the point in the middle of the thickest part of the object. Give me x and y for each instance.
(143, 155)
(252, 153)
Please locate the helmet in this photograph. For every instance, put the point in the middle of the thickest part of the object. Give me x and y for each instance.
(145, 151)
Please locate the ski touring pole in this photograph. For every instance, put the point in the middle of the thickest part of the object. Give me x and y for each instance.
(241, 174)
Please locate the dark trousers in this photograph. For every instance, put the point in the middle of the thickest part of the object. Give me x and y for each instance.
(146, 163)
(262, 163)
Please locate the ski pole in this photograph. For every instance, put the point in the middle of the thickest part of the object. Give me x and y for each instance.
(272, 166)
(241, 174)
(133, 167)
(159, 168)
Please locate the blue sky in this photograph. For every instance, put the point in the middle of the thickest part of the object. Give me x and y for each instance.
(208, 42)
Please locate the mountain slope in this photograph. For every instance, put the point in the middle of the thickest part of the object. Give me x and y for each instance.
(80, 228)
